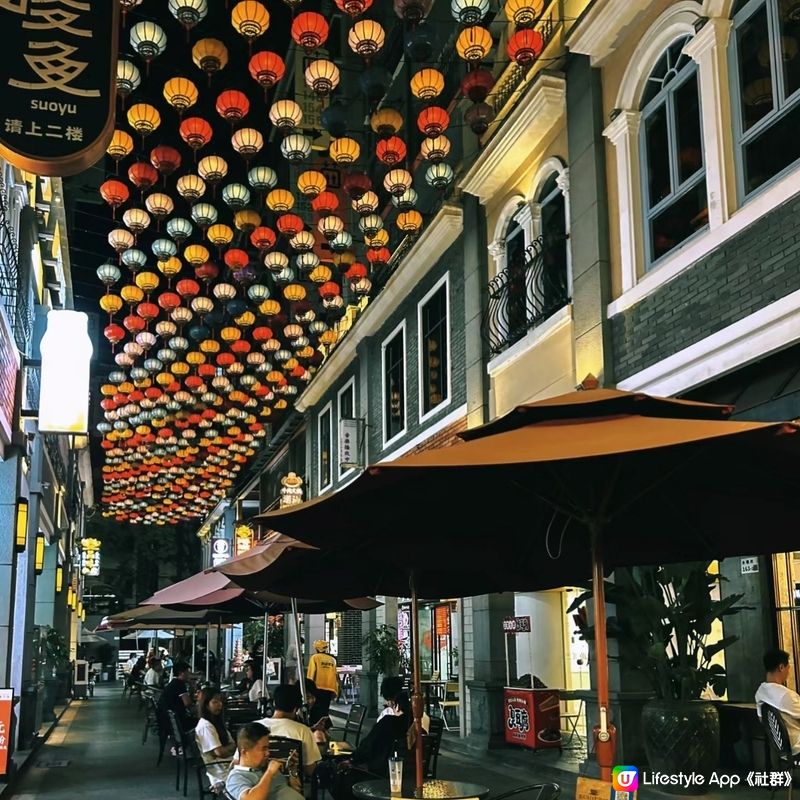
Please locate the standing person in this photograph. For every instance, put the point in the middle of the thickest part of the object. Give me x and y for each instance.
(291, 660)
(322, 670)
(777, 694)
(256, 776)
(215, 743)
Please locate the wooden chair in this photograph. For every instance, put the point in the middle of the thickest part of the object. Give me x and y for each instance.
(571, 721)
(537, 791)
(450, 700)
(779, 742)
(353, 724)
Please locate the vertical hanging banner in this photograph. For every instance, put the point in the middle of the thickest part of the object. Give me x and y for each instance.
(57, 101)
(6, 703)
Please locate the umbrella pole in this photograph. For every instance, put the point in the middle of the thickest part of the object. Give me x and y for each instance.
(416, 694)
(264, 656)
(604, 732)
(208, 652)
(194, 631)
(301, 670)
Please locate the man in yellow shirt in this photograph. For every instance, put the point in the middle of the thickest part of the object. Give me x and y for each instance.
(322, 670)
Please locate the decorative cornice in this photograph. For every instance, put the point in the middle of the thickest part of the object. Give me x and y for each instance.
(626, 123)
(443, 230)
(596, 32)
(539, 108)
(715, 33)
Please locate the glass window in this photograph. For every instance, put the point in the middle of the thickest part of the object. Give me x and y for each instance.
(676, 204)
(766, 49)
(434, 349)
(554, 288)
(325, 448)
(516, 258)
(394, 403)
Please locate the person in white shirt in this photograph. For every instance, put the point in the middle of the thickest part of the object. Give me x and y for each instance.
(777, 694)
(153, 675)
(287, 701)
(215, 743)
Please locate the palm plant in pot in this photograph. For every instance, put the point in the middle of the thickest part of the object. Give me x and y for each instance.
(665, 623)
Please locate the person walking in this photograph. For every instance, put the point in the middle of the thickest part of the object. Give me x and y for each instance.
(322, 670)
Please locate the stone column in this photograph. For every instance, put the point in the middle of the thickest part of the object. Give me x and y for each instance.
(9, 491)
(44, 613)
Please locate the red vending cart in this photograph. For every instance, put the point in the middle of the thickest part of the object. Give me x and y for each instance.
(532, 717)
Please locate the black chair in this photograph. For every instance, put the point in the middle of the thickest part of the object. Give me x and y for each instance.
(186, 752)
(282, 747)
(154, 723)
(779, 743)
(537, 791)
(431, 744)
(195, 758)
(353, 724)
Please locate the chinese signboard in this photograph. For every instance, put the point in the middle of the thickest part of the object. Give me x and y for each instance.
(348, 443)
(58, 100)
(6, 702)
(220, 551)
(517, 625)
(9, 366)
(532, 717)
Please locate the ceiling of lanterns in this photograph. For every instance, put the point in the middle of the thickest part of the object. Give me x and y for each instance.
(231, 259)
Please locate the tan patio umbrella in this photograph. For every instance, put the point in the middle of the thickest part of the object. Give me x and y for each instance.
(552, 494)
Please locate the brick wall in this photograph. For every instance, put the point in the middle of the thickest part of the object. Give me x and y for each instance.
(749, 271)
(350, 636)
(442, 438)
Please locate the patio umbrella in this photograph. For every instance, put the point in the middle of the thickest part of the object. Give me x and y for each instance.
(555, 493)
(149, 634)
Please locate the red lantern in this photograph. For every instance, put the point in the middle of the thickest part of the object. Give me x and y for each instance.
(263, 237)
(169, 301)
(325, 203)
(196, 132)
(356, 272)
(525, 46)
(262, 333)
(236, 259)
(353, 8)
(477, 84)
(290, 224)
(357, 184)
(147, 311)
(115, 193)
(233, 105)
(240, 346)
(207, 370)
(206, 272)
(114, 333)
(433, 120)
(133, 323)
(310, 30)
(225, 359)
(378, 256)
(191, 382)
(266, 68)
(142, 175)
(391, 151)
(329, 290)
(187, 288)
(165, 159)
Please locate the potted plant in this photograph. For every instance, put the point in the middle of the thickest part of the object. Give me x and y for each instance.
(664, 626)
(382, 650)
(55, 671)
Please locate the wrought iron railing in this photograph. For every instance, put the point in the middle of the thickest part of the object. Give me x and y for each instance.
(524, 295)
(10, 289)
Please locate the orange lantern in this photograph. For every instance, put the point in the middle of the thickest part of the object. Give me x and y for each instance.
(266, 68)
(310, 30)
(196, 132)
(525, 46)
(232, 105)
(391, 151)
(433, 120)
(325, 203)
(115, 193)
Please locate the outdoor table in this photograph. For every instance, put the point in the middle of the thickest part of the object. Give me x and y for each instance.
(438, 790)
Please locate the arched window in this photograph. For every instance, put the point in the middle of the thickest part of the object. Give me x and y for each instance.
(673, 173)
(766, 70)
(553, 216)
(516, 264)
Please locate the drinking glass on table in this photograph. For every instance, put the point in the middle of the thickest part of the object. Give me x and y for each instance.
(396, 775)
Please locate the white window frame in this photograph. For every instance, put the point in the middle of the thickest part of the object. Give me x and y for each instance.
(350, 386)
(326, 409)
(398, 330)
(425, 415)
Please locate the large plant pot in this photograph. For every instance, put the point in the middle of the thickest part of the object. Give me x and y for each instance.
(681, 737)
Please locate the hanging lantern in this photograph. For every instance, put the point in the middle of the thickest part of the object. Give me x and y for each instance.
(263, 238)
(220, 235)
(370, 224)
(115, 193)
(165, 159)
(474, 44)
(207, 272)
(433, 121)
(247, 142)
(136, 220)
(479, 117)
(523, 13)
(378, 257)
(164, 249)
(144, 118)
(440, 176)
(296, 148)
(147, 282)
(196, 132)
(320, 274)
(412, 10)
(276, 261)
(307, 261)
(341, 242)
(170, 267)
(469, 12)
(232, 105)
(204, 214)
(311, 183)
(405, 201)
(246, 220)
(134, 259)
(302, 242)
(397, 181)
(236, 195)
(366, 204)
(250, 18)
(344, 150)
(191, 187)
(148, 40)
(285, 115)
(477, 84)
(262, 179)
(128, 77)
(310, 30)
(142, 175)
(386, 122)
(353, 8)
(179, 229)
(325, 203)
(120, 146)
(280, 201)
(356, 183)
(132, 294)
(210, 55)
(187, 288)
(180, 93)
(427, 83)
(409, 221)
(322, 76)
(294, 293)
(436, 149)
(525, 46)
(188, 12)
(236, 259)
(212, 169)
(330, 227)
(120, 239)
(159, 205)
(290, 224)
(108, 274)
(391, 151)
(329, 290)
(361, 287)
(266, 69)
(366, 37)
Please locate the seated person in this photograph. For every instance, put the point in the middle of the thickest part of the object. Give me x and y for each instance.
(391, 687)
(284, 722)
(137, 672)
(256, 776)
(213, 740)
(153, 675)
(177, 698)
(321, 726)
(253, 683)
(777, 694)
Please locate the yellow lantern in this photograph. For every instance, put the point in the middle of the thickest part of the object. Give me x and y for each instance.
(180, 93)
(250, 18)
(147, 281)
(321, 274)
(523, 12)
(220, 235)
(386, 122)
(322, 76)
(409, 221)
(377, 240)
(110, 303)
(344, 150)
(132, 294)
(210, 346)
(210, 55)
(294, 292)
(230, 334)
(120, 146)
(212, 169)
(247, 219)
(285, 115)
(427, 83)
(366, 37)
(144, 118)
(191, 187)
(280, 201)
(311, 183)
(247, 142)
(269, 308)
(170, 267)
(474, 44)
(196, 254)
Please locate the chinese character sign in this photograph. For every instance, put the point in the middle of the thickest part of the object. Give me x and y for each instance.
(6, 702)
(58, 101)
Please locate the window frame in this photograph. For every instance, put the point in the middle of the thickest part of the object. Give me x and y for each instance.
(327, 410)
(349, 386)
(665, 97)
(780, 109)
(399, 330)
(426, 415)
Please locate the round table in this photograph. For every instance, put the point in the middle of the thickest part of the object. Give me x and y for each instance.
(452, 790)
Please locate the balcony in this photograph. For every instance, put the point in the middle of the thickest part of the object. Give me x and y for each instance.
(524, 295)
